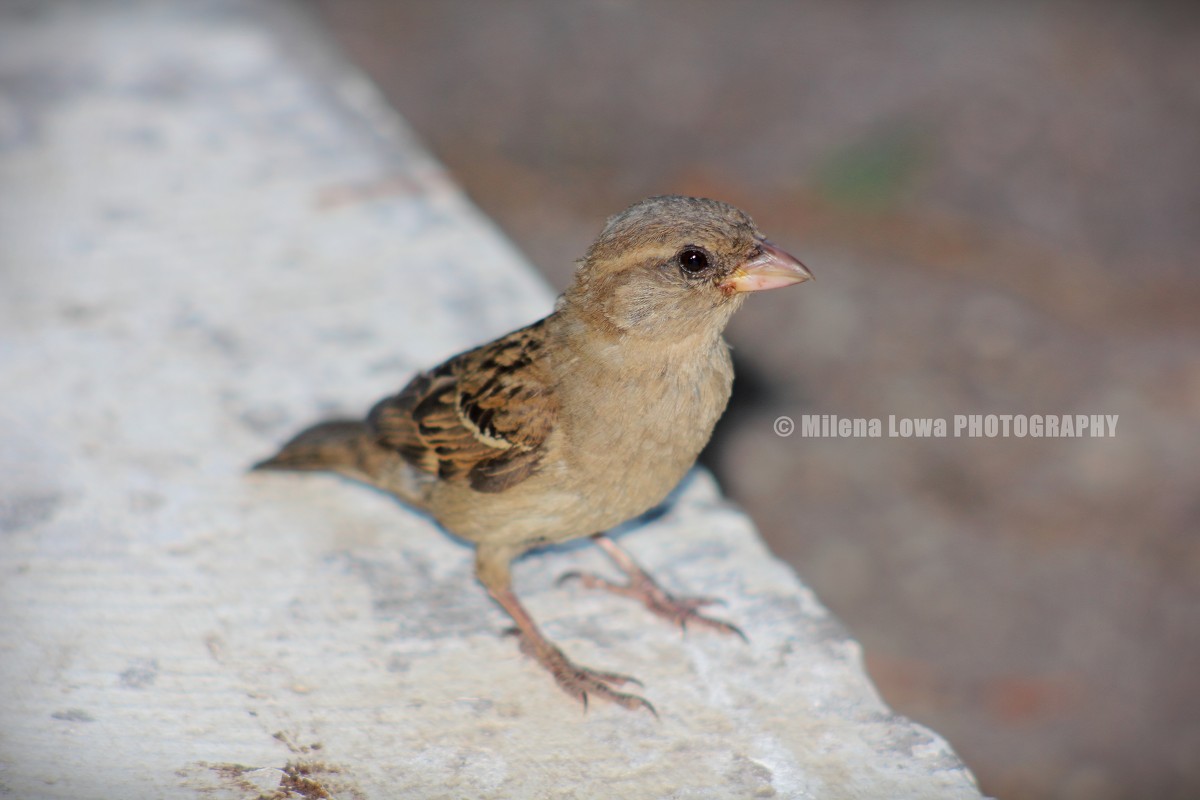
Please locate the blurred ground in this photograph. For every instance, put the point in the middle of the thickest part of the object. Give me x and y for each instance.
(1001, 204)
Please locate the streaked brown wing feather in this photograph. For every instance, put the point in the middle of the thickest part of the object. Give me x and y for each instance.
(483, 417)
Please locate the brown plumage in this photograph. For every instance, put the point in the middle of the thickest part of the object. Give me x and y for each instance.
(580, 421)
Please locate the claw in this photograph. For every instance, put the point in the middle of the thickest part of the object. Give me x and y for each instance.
(680, 610)
(579, 682)
(568, 576)
(582, 682)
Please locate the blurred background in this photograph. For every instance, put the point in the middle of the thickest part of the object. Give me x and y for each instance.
(1001, 203)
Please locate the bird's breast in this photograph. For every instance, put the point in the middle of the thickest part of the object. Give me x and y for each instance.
(632, 432)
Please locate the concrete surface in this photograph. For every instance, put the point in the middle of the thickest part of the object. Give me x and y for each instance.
(213, 233)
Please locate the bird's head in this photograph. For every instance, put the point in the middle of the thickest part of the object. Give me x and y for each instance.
(677, 265)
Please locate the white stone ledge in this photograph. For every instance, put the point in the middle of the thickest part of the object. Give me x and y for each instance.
(213, 232)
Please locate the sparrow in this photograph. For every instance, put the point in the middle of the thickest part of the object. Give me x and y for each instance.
(578, 422)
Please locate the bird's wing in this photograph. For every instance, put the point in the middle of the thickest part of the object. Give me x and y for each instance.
(482, 418)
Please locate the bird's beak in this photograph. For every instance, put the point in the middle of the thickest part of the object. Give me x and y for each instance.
(770, 269)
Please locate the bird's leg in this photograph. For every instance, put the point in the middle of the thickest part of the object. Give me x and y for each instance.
(579, 682)
(679, 610)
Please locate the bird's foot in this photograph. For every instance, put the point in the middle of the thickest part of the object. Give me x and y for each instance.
(581, 682)
(681, 611)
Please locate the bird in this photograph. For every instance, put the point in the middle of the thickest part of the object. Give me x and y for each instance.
(578, 422)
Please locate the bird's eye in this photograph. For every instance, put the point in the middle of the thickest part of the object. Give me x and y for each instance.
(693, 261)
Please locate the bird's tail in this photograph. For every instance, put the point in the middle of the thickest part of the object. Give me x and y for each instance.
(349, 447)
(337, 446)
